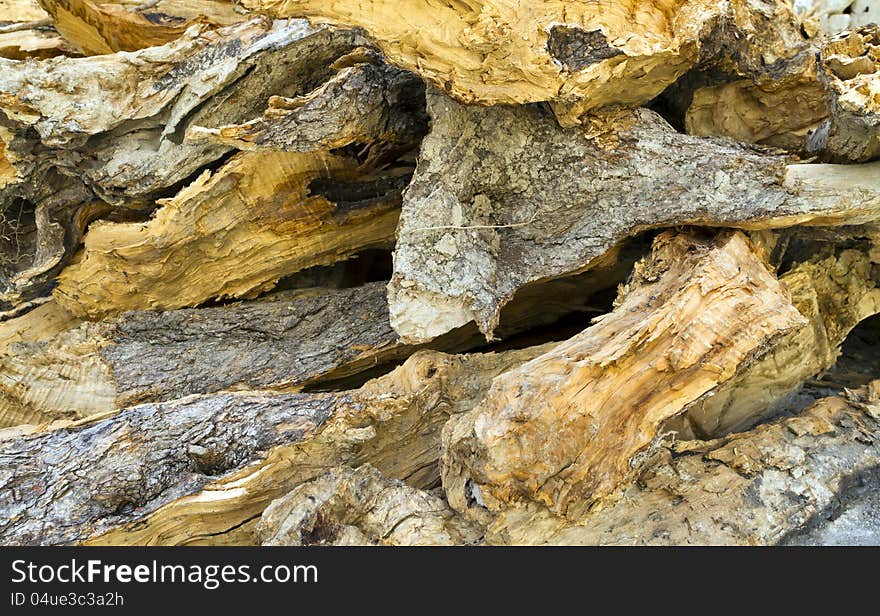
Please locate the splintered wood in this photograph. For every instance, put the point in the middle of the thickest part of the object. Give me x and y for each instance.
(420, 272)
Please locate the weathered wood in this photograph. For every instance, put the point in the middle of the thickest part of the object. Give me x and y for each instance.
(851, 64)
(362, 507)
(834, 293)
(752, 488)
(362, 104)
(105, 28)
(21, 11)
(490, 209)
(569, 427)
(113, 124)
(192, 470)
(37, 43)
(283, 342)
(52, 367)
(821, 103)
(581, 55)
(235, 232)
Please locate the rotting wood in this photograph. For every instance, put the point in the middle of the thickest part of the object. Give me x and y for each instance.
(235, 232)
(112, 124)
(823, 103)
(834, 293)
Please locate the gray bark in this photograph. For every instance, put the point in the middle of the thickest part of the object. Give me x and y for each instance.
(503, 196)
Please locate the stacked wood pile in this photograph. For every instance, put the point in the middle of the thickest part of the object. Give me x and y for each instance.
(404, 272)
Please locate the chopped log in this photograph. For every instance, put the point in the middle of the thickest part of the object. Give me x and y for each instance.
(834, 293)
(752, 488)
(490, 210)
(580, 55)
(283, 342)
(362, 507)
(114, 123)
(192, 470)
(106, 28)
(822, 103)
(52, 368)
(36, 43)
(569, 427)
(851, 73)
(362, 104)
(235, 232)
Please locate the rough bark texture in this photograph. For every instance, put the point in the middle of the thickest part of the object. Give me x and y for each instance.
(187, 470)
(503, 196)
(234, 253)
(752, 488)
(361, 104)
(361, 507)
(283, 342)
(569, 427)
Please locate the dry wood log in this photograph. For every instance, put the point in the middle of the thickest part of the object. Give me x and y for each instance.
(51, 367)
(834, 293)
(752, 488)
(348, 506)
(490, 209)
(581, 55)
(569, 427)
(196, 469)
(235, 232)
(284, 342)
(822, 103)
(105, 28)
(38, 43)
(20, 11)
(362, 104)
(115, 123)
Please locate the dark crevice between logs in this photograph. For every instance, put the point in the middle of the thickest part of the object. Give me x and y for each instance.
(521, 326)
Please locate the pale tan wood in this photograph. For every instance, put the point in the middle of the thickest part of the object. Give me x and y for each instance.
(569, 427)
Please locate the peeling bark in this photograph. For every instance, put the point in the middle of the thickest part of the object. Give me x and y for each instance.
(569, 427)
(503, 196)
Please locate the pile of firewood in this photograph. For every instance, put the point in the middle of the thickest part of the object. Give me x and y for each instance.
(437, 272)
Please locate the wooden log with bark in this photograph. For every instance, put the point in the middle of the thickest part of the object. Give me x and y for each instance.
(289, 272)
